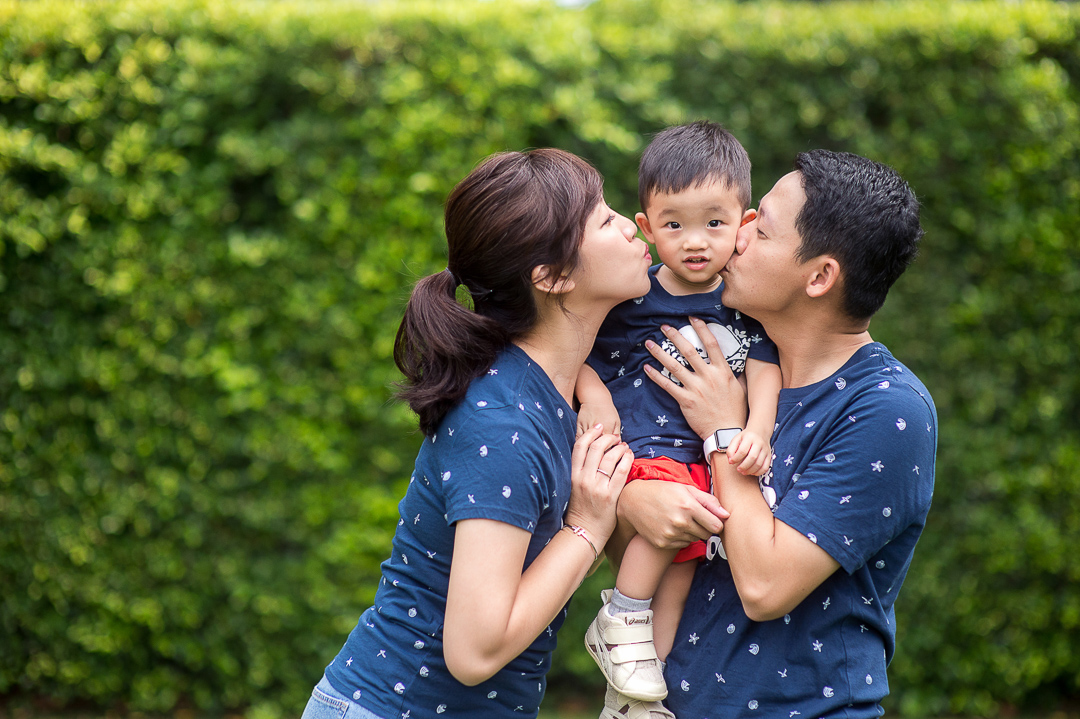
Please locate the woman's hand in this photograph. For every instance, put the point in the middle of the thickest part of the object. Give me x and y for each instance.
(599, 464)
(710, 396)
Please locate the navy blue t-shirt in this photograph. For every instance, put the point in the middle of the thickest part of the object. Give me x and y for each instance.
(503, 453)
(652, 421)
(853, 470)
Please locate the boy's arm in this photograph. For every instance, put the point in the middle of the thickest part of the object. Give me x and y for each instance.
(596, 405)
(750, 449)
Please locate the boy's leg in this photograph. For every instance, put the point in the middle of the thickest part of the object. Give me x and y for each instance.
(668, 603)
(642, 568)
(620, 639)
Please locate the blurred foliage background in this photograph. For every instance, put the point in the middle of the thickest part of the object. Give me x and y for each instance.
(210, 217)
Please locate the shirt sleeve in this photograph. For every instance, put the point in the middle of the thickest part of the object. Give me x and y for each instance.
(497, 466)
(869, 480)
(761, 347)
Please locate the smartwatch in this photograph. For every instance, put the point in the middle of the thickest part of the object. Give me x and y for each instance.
(719, 440)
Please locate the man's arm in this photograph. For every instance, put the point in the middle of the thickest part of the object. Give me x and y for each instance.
(774, 566)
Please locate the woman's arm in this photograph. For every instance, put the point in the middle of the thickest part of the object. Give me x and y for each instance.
(493, 610)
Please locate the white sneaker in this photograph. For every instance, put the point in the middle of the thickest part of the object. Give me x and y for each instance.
(622, 646)
(620, 706)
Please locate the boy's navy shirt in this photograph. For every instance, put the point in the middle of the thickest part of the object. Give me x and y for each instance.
(853, 470)
(503, 453)
(652, 421)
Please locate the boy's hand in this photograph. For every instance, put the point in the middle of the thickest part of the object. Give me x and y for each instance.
(597, 412)
(751, 452)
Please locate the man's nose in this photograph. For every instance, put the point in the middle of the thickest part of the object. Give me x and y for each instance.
(742, 237)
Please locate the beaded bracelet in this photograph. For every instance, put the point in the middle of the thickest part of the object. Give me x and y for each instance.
(580, 531)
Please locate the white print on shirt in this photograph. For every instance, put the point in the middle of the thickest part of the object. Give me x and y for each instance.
(732, 341)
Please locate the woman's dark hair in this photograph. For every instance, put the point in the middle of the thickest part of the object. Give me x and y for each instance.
(515, 211)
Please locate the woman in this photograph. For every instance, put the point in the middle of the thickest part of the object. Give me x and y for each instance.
(505, 513)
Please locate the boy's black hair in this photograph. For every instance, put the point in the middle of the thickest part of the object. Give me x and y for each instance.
(865, 216)
(688, 155)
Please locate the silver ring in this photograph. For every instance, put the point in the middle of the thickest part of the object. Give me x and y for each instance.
(603, 473)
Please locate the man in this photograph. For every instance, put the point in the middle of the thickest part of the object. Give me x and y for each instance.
(797, 620)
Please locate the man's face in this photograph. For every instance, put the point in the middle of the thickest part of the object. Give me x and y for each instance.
(763, 277)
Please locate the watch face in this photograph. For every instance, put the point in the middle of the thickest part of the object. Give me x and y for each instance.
(724, 436)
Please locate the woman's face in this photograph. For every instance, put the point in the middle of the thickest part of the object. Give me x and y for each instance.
(614, 263)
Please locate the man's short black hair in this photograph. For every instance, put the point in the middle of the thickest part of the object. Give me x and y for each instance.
(864, 215)
(689, 155)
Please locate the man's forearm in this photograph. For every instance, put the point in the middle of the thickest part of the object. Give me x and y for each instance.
(773, 566)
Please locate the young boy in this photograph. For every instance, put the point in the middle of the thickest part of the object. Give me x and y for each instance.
(694, 189)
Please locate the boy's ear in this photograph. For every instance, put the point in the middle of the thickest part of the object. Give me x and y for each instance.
(823, 276)
(642, 221)
(749, 216)
(545, 280)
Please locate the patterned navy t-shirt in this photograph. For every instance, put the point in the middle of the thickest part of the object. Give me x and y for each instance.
(853, 470)
(503, 453)
(652, 421)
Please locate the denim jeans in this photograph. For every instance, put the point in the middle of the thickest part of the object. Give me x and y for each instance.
(328, 703)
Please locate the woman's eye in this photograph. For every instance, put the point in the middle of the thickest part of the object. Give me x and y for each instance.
(608, 221)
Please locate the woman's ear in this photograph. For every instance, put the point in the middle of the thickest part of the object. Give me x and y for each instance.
(824, 275)
(545, 280)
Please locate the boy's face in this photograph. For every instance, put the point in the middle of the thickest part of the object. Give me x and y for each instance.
(694, 233)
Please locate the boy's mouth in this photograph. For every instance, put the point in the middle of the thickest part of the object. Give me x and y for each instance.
(696, 262)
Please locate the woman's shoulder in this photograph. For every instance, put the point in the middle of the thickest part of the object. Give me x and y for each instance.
(512, 393)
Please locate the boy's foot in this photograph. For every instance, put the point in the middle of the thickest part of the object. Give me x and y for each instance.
(622, 645)
(620, 706)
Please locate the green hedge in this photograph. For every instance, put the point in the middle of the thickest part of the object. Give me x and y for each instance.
(210, 216)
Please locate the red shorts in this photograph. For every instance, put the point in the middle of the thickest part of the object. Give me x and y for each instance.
(668, 470)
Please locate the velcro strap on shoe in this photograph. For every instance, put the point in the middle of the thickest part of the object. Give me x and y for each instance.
(633, 634)
(632, 653)
(645, 710)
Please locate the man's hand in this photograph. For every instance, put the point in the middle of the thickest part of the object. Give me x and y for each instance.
(711, 397)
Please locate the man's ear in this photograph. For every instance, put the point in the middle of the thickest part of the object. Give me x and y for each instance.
(545, 280)
(642, 221)
(823, 276)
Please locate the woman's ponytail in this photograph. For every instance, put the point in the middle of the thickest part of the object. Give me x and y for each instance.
(441, 347)
(516, 211)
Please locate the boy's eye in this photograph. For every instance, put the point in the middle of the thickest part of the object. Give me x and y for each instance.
(713, 223)
(673, 225)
